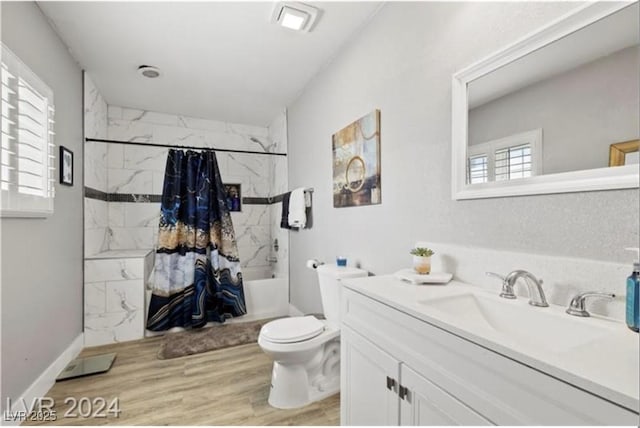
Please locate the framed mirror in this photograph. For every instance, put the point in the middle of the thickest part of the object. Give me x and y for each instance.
(624, 153)
(546, 114)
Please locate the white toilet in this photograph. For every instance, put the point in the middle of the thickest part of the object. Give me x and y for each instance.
(306, 350)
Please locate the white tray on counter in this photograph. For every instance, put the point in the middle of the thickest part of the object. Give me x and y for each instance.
(410, 275)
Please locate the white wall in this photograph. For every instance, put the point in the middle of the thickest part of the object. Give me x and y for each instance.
(581, 112)
(402, 63)
(42, 258)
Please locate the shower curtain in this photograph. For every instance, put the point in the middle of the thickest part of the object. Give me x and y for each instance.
(197, 269)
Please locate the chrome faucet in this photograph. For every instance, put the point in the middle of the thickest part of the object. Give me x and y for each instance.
(507, 289)
(577, 307)
(534, 285)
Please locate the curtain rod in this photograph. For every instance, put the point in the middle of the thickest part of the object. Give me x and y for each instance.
(168, 146)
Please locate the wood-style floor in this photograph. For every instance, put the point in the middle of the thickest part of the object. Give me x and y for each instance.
(225, 387)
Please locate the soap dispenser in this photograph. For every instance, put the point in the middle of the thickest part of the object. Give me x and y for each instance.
(633, 294)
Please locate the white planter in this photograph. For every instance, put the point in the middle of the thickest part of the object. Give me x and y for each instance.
(422, 265)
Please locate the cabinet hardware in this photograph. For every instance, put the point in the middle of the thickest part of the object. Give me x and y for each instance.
(403, 392)
(391, 383)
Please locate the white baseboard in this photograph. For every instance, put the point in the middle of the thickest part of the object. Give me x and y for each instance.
(294, 312)
(46, 380)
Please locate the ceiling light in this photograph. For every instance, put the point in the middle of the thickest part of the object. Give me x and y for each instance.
(295, 16)
(293, 19)
(149, 71)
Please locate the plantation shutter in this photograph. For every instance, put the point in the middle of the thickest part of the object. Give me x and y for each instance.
(27, 155)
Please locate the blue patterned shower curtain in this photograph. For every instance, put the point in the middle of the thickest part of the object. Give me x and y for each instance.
(197, 269)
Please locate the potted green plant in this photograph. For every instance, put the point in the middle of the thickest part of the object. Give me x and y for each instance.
(422, 259)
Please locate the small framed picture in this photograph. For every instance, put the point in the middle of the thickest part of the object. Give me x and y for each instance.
(66, 166)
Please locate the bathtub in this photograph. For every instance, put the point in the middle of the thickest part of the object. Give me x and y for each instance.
(266, 298)
(257, 273)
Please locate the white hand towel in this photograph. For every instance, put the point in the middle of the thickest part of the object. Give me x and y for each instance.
(297, 209)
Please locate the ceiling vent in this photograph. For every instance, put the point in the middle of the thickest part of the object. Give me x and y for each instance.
(295, 16)
(149, 71)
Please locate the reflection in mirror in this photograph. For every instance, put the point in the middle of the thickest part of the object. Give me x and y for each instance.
(559, 108)
(625, 153)
(631, 159)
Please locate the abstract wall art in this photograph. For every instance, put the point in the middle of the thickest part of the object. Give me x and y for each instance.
(356, 163)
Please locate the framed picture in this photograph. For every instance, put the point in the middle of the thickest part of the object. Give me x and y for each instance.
(66, 166)
(234, 196)
(356, 163)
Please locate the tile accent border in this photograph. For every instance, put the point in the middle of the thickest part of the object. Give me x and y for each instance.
(120, 197)
(92, 193)
(134, 197)
(263, 201)
(250, 200)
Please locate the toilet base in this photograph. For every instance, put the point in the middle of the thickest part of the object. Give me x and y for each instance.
(297, 385)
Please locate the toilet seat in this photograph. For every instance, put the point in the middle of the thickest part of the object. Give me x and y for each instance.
(292, 329)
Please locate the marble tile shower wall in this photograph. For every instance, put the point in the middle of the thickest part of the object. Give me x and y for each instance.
(95, 169)
(139, 171)
(279, 185)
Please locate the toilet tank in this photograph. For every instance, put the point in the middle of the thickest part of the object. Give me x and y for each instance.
(329, 277)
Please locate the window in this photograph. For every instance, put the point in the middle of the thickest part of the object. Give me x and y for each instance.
(509, 158)
(478, 169)
(27, 156)
(513, 162)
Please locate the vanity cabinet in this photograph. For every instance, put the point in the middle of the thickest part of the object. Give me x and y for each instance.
(424, 404)
(400, 370)
(369, 389)
(378, 389)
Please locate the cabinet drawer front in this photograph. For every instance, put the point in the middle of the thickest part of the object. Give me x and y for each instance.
(502, 390)
(428, 405)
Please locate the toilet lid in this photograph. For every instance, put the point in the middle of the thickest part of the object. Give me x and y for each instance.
(292, 329)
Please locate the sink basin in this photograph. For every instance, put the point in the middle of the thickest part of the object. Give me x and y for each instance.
(516, 321)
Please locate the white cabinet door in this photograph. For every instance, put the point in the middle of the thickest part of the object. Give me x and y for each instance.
(369, 383)
(424, 404)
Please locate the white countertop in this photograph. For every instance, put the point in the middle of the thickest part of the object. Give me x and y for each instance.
(120, 254)
(607, 367)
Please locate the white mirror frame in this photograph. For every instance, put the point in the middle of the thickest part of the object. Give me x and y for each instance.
(622, 177)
